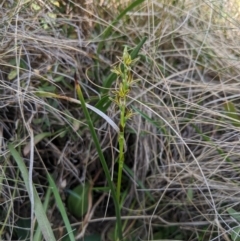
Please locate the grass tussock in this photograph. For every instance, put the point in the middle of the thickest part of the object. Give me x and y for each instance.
(180, 177)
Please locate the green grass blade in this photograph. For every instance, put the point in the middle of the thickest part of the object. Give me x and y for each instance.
(61, 207)
(38, 207)
(38, 234)
(101, 157)
(233, 213)
(108, 30)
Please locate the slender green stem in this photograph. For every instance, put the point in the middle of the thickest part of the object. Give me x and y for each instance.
(120, 163)
(102, 159)
(121, 147)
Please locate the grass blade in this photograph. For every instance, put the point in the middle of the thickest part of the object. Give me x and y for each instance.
(101, 157)
(61, 207)
(38, 207)
(38, 234)
(108, 30)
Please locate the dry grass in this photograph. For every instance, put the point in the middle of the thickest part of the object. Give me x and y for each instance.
(181, 144)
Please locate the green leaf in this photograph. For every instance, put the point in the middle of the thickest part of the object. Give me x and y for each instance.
(234, 214)
(78, 200)
(235, 234)
(12, 75)
(190, 194)
(48, 88)
(35, 7)
(58, 79)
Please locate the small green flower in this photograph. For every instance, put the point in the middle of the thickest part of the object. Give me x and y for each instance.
(129, 79)
(129, 114)
(117, 70)
(123, 91)
(127, 59)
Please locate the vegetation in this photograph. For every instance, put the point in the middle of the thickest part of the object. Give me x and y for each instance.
(119, 120)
